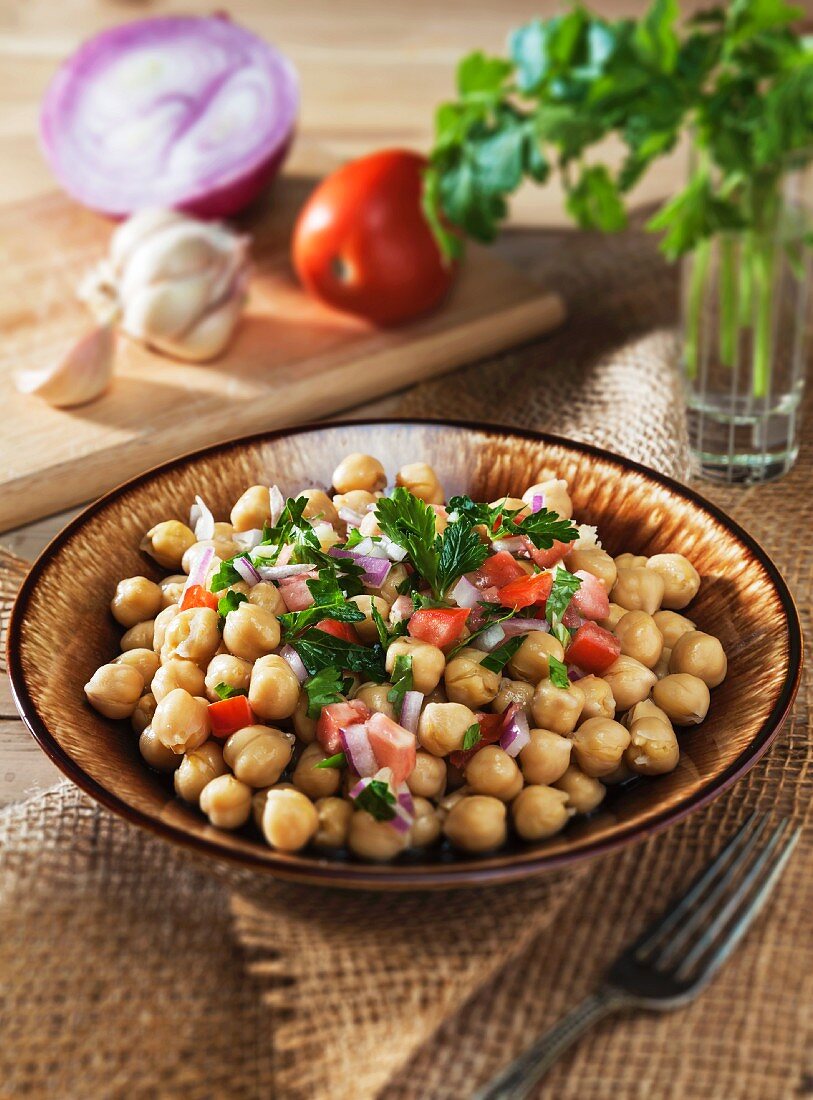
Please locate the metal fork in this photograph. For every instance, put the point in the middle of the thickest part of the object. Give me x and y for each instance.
(676, 957)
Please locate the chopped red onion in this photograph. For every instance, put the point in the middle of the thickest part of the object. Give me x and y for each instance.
(465, 594)
(376, 570)
(277, 502)
(285, 554)
(289, 654)
(370, 548)
(512, 627)
(411, 710)
(516, 734)
(247, 540)
(575, 673)
(538, 502)
(490, 638)
(356, 745)
(512, 545)
(281, 572)
(402, 609)
(351, 518)
(247, 571)
(199, 570)
(394, 550)
(404, 795)
(201, 520)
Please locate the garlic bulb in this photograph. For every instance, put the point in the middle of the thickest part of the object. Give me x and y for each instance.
(176, 283)
(81, 375)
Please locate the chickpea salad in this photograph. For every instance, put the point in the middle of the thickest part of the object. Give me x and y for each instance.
(381, 669)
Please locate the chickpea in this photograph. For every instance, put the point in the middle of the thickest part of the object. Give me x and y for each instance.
(226, 802)
(366, 628)
(274, 689)
(359, 471)
(139, 636)
(645, 709)
(334, 821)
(545, 758)
(422, 482)
(197, 769)
(476, 823)
(638, 589)
(557, 497)
(599, 701)
(356, 500)
(268, 596)
(259, 798)
(557, 709)
(136, 599)
(290, 820)
(513, 691)
(114, 690)
(239, 587)
(319, 506)
(617, 612)
(629, 681)
(167, 542)
(661, 669)
(181, 721)
(640, 637)
(685, 698)
(492, 771)
(374, 697)
(630, 561)
(653, 747)
(177, 673)
(161, 624)
(468, 682)
(158, 756)
(315, 782)
(530, 662)
(192, 635)
(251, 632)
(226, 669)
(584, 792)
(389, 589)
(304, 726)
(427, 825)
(598, 745)
(428, 662)
(258, 755)
(252, 509)
(700, 655)
(173, 593)
(441, 518)
(540, 812)
(374, 840)
(595, 561)
(144, 710)
(428, 778)
(681, 581)
(618, 775)
(145, 660)
(223, 547)
(671, 626)
(442, 727)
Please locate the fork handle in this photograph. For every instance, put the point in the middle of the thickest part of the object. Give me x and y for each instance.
(519, 1077)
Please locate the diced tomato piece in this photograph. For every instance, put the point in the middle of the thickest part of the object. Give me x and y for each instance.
(392, 745)
(491, 727)
(345, 631)
(593, 649)
(546, 559)
(498, 570)
(440, 626)
(526, 591)
(295, 592)
(333, 717)
(197, 596)
(227, 716)
(591, 600)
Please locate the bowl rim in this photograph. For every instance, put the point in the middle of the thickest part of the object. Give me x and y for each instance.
(395, 876)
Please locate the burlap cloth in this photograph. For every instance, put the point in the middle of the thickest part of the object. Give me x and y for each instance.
(130, 969)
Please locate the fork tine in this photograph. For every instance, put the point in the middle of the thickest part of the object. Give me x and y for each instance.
(746, 834)
(767, 867)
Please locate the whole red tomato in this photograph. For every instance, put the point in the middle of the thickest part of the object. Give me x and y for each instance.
(361, 242)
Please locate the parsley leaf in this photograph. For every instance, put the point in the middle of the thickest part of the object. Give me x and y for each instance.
(408, 521)
(336, 761)
(323, 688)
(558, 672)
(471, 737)
(565, 587)
(499, 658)
(319, 650)
(230, 602)
(225, 576)
(387, 634)
(329, 603)
(461, 551)
(544, 528)
(401, 680)
(226, 691)
(377, 799)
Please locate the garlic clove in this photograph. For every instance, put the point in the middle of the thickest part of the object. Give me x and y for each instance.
(209, 337)
(175, 252)
(136, 230)
(166, 310)
(81, 375)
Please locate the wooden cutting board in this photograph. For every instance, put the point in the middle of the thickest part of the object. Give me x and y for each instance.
(292, 359)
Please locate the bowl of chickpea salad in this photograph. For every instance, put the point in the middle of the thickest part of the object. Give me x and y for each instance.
(404, 653)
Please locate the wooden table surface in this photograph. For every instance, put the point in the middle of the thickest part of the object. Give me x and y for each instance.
(372, 74)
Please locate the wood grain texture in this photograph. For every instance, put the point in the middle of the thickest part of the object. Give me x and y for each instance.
(62, 631)
(292, 359)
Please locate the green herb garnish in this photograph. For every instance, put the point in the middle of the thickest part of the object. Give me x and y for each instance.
(499, 658)
(323, 688)
(401, 680)
(565, 587)
(557, 671)
(471, 737)
(226, 691)
(387, 634)
(319, 650)
(543, 528)
(230, 602)
(377, 799)
(337, 761)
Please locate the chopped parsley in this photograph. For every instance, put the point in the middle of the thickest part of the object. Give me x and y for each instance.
(557, 671)
(319, 650)
(226, 575)
(401, 680)
(499, 658)
(337, 761)
(377, 799)
(323, 688)
(543, 528)
(565, 587)
(226, 691)
(230, 602)
(329, 603)
(471, 737)
(387, 634)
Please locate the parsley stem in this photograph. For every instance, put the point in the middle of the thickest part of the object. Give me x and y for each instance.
(763, 318)
(698, 270)
(729, 320)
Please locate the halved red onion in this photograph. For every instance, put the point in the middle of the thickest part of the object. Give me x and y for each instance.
(187, 112)
(512, 627)
(277, 502)
(351, 518)
(376, 570)
(201, 520)
(516, 734)
(465, 594)
(356, 745)
(538, 502)
(281, 572)
(290, 655)
(411, 710)
(247, 571)
(512, 545)
(490, 639)
(200, 569)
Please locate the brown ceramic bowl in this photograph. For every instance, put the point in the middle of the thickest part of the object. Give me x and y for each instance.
(61, 630)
